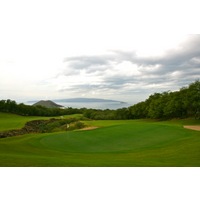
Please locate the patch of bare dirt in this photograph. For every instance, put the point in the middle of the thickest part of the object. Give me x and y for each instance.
(196, 128)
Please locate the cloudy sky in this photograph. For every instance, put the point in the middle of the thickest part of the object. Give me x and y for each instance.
(121, 50)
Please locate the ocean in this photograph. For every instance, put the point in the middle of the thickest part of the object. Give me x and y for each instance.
(95, 105)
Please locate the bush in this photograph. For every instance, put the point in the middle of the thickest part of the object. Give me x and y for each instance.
(79, 125)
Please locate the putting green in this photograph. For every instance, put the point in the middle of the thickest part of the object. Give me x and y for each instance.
(114, 143)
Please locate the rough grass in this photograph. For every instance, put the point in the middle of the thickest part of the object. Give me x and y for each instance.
(114, 143)
(11, 121)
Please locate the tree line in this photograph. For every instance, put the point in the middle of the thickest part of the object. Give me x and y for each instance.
(166, 105)
(11, 106)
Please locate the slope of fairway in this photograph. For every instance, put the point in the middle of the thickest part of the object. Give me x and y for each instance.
(115, 143)
(10, 121)
(118, 138)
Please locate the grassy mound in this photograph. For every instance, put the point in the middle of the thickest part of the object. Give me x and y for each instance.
(114, 143)
(10, 121)
(45, 126)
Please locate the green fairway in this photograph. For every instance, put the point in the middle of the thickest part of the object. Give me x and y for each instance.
(114, 143)
(11, 121)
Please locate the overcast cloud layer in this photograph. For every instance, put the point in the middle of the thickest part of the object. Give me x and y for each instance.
(122, 50)
(125, 75)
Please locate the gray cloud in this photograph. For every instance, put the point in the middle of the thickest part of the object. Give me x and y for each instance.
(174, 69)
(187, 53)
(87, 61)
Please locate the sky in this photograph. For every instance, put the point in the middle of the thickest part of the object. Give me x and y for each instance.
(120, 50)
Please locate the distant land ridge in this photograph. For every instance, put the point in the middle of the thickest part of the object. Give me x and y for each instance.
(82, 100)
(47, 104)
(86, 100)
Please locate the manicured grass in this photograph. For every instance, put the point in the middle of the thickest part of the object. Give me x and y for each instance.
(114, 143)
(11, 121)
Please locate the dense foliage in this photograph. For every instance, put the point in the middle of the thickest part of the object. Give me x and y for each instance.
(27, 110)
(167, 105)
(179, 104)
(45, 126)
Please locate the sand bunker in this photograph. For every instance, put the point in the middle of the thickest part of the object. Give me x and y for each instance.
(89, 128)
(196, 128)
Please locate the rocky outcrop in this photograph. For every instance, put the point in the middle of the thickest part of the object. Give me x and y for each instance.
(44, 126)
(30, 127)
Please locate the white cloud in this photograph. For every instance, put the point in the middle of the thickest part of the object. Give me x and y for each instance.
(112, 47)
(124, 72)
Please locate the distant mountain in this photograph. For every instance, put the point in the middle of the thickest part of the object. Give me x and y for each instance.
(47, 104)
(87, 100)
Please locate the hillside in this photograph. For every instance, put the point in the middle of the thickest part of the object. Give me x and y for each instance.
(87, 100)
(115, 143)
(47, 104)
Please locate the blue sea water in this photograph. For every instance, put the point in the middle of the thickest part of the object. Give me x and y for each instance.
(94, 105)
